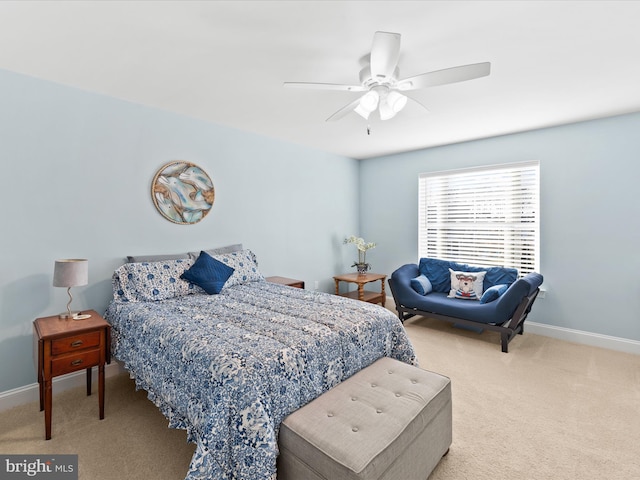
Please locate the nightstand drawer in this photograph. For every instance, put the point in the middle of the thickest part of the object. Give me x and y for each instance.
(77, 342)
(71, 363)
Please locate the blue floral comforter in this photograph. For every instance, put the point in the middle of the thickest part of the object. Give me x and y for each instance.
(228, 368)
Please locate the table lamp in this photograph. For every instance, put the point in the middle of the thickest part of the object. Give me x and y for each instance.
(72, 272)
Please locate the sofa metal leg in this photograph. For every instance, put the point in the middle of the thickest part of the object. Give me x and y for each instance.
(505, 342)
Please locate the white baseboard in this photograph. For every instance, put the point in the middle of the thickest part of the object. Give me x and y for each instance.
(31, 393)
(585, 338)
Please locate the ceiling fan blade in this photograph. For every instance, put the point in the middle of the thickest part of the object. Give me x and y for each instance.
(413, 100)
(326, 86)
(443, 77)
(385, 53)
(344, 111)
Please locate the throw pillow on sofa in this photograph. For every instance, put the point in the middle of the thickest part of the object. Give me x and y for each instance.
(466, 285)
(421, 284)
(493, 293)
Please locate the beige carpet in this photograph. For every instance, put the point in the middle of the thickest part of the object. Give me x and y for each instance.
(546, 410)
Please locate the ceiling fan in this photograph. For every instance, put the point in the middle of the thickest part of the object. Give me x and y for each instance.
(379, 79)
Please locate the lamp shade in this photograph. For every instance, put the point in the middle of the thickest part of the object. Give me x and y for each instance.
(71, 272)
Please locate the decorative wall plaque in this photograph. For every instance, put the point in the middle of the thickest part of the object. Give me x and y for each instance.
(182, 192)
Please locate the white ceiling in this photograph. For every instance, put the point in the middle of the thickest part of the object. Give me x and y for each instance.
(553, 62)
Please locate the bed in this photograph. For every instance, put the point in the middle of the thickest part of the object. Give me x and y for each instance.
(229, 366)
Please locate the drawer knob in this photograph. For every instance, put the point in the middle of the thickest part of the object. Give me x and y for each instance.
(77, 362)
(77, 343)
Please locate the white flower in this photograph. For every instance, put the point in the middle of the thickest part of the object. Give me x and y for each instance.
(362, 247)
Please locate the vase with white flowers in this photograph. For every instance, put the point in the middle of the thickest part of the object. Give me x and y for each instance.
(362, 246)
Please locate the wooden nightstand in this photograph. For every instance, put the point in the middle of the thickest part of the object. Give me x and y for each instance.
(361, 279)
(64, 345)
(291, 282)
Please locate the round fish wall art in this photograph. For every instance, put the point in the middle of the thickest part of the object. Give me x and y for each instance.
(182, 192)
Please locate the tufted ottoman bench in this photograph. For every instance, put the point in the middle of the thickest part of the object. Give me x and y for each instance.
(389, 421)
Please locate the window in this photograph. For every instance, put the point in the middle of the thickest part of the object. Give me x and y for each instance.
(482, 216)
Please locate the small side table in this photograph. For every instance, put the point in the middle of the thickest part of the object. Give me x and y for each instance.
(65, 345)
(361, 279)
(291, 282)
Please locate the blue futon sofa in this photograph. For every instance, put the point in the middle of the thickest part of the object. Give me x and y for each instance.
(499, 302)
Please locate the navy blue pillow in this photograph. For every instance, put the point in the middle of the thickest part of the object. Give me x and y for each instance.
(208, 273)
(437, 271)
(492, 293)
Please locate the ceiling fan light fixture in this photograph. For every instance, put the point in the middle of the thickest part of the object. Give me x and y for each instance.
(396, 101)
(393, 103)
(362, 112)
(386, 112)
(368, 103)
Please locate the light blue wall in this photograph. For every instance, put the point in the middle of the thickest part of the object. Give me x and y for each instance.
(77, 171)
(590, 215)
(78, 168)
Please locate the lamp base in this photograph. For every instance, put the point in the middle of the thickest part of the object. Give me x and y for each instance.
(74, 315)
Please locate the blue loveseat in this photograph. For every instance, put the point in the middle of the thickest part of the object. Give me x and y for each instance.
(425, 289)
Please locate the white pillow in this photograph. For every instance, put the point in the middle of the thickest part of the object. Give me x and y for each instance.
(466, 285)
(245, 267)
(151, 281)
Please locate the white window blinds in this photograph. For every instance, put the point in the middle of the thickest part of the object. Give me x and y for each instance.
(486, 216)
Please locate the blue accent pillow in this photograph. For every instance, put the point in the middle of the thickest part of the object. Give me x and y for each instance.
(437, 271)
(208, 273)
(492, 293)
(421, 284)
